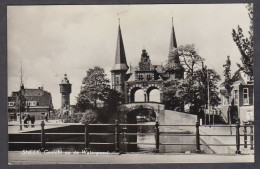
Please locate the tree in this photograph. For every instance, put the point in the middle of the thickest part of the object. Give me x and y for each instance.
(174, 65)
(196, 93)
(191, 62)
(112, 99)
(245, 45)
(171, 97)
(94, 85)
(228, 82)
(95, 88)
(193, 89)
(190, 59)
(89, 116)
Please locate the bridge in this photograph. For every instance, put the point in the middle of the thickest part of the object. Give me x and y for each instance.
(155, 106)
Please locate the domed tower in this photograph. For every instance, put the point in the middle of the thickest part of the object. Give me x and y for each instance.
(65, 90)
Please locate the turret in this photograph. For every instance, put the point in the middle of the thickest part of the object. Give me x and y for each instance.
(65, 90)
(118, 72)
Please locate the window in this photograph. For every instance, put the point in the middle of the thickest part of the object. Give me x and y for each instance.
(117, 80)
(148, 77)
(10, 103)
(236, 97)
(245, 96)
(140, 77)
(31, 103)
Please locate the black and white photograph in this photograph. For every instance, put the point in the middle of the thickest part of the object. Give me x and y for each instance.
(130, 84)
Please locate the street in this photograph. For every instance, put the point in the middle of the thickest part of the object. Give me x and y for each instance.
(20, 158)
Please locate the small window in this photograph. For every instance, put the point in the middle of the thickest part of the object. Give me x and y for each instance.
(245, 96)
(117, 80)
(148, 77)
(236, 97)
(10, 103)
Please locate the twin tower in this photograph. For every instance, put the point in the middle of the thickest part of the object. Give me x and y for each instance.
(145, 75)
(127, 79)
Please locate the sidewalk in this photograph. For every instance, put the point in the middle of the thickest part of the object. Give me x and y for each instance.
(13, 126)
(225, 139)
(20, 158)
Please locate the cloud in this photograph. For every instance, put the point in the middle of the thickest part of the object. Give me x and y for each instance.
(52, 40)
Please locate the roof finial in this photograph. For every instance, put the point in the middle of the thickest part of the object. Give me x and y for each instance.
(119, 21)
(172, 21)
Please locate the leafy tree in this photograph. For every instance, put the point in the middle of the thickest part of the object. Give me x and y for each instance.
(228, 79)
(89, 116)
(245, 45)
(95, 88)
(190, 59)
(228, 82)
(171, 97)
(173, 65)
(94, 85)
(191, 62)
(196, 93)
(74, 118)
(193, 89)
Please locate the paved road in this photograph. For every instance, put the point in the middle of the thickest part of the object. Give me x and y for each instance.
(17, 158)
(13, 126)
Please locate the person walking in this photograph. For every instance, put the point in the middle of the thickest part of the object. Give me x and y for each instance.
(32, 120)
(46, 117)
(26, 121)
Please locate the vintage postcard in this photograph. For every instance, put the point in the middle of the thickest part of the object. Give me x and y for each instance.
(130, 84)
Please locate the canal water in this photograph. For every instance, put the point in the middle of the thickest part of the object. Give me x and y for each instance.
(145, 148)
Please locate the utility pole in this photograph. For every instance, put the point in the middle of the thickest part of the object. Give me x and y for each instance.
(208, 95)
(20, 98)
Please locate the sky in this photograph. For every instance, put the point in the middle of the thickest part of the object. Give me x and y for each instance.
(49, 41)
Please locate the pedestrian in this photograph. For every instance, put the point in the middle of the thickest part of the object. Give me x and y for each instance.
(46, 117)
(26, 121)
(32, 120)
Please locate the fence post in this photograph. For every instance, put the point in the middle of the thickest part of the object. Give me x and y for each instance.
(117, 136)
(252, 137)
(238, 139)
(157, 136)
(245, 136)
(42, 137)
(86, 138)
(197, 138)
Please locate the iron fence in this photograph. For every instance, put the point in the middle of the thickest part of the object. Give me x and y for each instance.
(117, 126)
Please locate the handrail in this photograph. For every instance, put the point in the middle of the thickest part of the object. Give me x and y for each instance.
(119, 131)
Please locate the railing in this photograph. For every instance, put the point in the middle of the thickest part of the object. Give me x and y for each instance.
(157, 134)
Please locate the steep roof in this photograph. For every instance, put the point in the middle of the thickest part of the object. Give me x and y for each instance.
(173, 42)
(42, 97)
(65, 80)
(120, 59)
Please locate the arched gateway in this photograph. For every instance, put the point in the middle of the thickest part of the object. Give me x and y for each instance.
(145, 77)
(144, 80)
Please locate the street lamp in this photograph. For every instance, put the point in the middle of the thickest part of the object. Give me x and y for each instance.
(208, 79)
(20, 97)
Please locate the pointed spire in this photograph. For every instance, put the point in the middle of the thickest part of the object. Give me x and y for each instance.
(173, 42)
(120, 59)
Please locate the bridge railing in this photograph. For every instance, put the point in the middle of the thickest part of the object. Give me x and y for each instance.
(119, 130)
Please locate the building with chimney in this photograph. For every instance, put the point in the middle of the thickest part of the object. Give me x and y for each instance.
(145, 76)
(38, 102)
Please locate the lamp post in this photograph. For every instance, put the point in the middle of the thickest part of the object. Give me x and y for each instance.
(20, 98)
(20, 112)
(209, 77)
